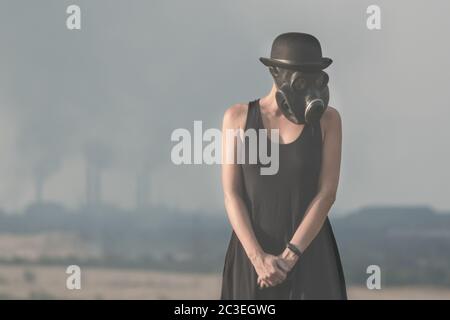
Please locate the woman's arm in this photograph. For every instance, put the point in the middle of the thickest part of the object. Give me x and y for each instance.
(319, 207)
(265, 264)
(232, 184)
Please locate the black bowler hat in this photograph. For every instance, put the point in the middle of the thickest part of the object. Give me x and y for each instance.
(298, 51)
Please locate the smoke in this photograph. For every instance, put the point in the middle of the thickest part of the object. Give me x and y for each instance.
(138, 70)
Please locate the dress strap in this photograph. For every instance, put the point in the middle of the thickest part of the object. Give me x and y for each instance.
(251, 114)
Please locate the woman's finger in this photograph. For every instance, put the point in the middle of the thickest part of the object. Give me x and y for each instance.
(263, 284)
(283, 265)
(276, 278)
(279, 275)
(280, 270)
(271, 282)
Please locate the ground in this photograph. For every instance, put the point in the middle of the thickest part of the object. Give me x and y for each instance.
(47, 282)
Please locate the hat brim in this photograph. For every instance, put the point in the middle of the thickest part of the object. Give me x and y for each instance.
(324, 63)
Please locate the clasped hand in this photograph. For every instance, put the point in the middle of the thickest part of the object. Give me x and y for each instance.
(272, 270)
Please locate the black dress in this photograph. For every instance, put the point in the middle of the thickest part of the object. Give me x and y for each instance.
(276, 205)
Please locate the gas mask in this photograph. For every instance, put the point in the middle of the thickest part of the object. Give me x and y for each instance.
(302, 96)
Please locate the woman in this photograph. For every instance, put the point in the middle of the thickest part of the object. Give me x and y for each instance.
(282, 245)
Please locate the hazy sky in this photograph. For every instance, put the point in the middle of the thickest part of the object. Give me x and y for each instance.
(137, 70)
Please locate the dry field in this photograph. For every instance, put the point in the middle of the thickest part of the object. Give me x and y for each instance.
(49, 282)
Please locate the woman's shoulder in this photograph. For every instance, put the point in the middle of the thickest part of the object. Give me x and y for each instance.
(330, 120)
(235, 115)
(331, 114)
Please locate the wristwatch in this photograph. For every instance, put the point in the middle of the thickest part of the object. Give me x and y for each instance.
(294, 249)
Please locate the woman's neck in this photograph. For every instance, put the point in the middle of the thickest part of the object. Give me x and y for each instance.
(269, 103)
